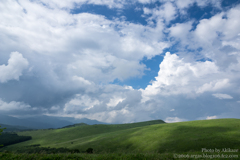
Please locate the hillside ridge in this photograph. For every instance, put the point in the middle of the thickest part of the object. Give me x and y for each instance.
(142, 137)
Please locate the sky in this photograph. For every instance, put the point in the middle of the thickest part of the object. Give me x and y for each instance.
(120, 61)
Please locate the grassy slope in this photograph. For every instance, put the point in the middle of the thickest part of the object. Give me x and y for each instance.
(55, 137)
(143, 137)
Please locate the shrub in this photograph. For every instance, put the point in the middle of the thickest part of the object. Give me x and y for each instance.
(75, 151)
(89, 150)
(1, 130)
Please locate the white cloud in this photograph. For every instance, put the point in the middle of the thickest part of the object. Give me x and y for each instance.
(173, 119)
(188, 80)
(129, 87)
(14, 69)
(74, 57)
(109, 103)
(70, 4)
(214, 85)
(214, 36)
(114, 101)
(55, 108)
(80, 103)
(222, 96)
(218, 35)
(211, 117)
(147, 10)
(114, 116)
(206, 30)
(179, 77)
(190, 77)
(77, 40)
(181, 4)
(81, 80)
(13, 105)
(167, 11)
(180, 31)
(146, 1)
(109, 3)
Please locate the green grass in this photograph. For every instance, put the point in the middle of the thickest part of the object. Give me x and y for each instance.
(116, 156)
(145, 137)
(112, 156)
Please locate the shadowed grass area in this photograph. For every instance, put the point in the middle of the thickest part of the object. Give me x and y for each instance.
(117, 156)
(111, 156)
(159, 138)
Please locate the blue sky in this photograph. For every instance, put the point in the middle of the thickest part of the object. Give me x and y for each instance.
(133, 13)
(120, 61)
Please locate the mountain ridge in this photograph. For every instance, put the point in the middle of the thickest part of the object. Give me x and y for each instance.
(44, 122)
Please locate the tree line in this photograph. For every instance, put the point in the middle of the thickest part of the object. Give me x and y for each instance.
(1, 130)
(12, 138)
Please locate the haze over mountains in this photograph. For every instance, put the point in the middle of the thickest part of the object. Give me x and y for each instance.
(43, 122)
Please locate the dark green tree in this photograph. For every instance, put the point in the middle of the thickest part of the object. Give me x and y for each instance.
(89, 150)
(1, 130)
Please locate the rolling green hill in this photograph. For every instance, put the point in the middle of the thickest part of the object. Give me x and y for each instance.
(151, 136)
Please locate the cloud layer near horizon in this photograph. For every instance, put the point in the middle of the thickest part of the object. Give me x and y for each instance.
(57, 63)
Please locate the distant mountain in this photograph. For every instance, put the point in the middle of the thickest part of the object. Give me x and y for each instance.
(10, 128)
(48, 121)
(9, 120)
(82, 120)
(44, 122)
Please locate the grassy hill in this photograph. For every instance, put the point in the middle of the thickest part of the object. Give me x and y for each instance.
(151, 136)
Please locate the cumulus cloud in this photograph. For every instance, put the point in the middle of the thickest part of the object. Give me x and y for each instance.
(211, 117)
(114, 101)
(214, 85)
(179, 77)
(75, 58)
(57, 32)
(13, 105)
(180, 32)
(81, 80)
(184, 3)
(173, 119)
(222, 96)
(217, 48)
(72, 3)
(111, 103)
(218, 35)
(166, 12)
(13, 70)
(80, 103)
